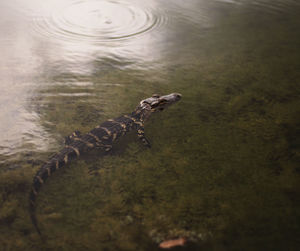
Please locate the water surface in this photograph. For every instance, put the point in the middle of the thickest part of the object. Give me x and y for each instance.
(223, 168)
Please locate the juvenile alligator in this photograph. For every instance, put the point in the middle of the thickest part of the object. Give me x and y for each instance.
(101, 137)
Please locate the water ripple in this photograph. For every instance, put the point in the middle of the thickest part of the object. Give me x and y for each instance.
(272, 7)
(97, 21)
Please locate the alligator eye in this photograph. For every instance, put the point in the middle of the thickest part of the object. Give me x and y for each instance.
(155, 96)
(163, 101)
(155, 104)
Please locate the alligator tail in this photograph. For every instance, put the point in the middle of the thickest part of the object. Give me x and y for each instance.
(32, 198)
(56, 162)
(39, 179)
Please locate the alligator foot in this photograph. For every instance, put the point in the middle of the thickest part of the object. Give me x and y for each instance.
(69, 139)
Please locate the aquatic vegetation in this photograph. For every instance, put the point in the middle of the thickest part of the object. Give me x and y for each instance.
(220, 173)
(223, 170)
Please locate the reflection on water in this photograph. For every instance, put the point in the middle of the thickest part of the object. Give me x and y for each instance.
(19, 124)
(42, 39)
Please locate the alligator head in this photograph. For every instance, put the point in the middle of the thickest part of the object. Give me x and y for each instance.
(159, 103)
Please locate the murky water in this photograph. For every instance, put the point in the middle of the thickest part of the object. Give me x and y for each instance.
(230, 144)
(42, 40)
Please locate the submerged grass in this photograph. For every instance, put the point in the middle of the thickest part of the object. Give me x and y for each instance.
(223, 169)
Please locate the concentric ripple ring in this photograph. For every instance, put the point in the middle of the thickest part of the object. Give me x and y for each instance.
(97, 21)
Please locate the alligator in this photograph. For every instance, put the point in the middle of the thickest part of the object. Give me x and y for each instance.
(101, 137)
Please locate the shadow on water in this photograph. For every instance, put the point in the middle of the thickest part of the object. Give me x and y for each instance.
(223, 168)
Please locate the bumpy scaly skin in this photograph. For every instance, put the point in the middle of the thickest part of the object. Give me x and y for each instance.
(101, 137)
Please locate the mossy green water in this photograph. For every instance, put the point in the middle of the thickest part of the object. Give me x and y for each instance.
(223, 169)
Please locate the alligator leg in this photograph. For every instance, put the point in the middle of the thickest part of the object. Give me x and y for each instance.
(141, 135)
(69, 139)
(106, 147)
